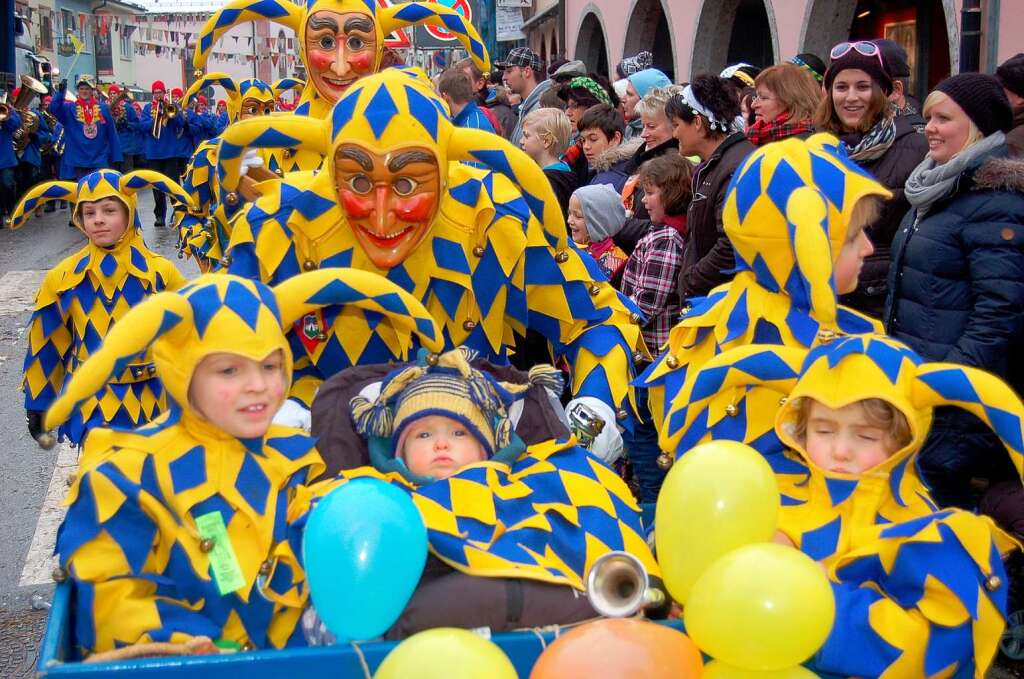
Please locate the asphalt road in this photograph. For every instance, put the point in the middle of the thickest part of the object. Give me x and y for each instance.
(32, 481)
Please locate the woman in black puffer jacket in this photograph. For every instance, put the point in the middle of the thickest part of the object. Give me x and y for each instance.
(956, 284)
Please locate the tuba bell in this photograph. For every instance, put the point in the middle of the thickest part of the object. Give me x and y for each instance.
(29, 119)
(618, 586)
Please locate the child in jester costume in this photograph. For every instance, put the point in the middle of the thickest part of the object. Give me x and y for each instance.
(506, 522)
(920, 592)
(340, 41)
(203, 232)
(795, 213)
(86, 294)
(486, 250)
(179, 529)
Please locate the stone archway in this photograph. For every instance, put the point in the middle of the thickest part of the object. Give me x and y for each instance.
(591, 45)
(828, 22)
(649, 29)
(730, 31)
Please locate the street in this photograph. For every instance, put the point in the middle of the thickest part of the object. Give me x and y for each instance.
(32, 480)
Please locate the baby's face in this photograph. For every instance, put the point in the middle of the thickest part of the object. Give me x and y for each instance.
(844, 441)
(439, 446)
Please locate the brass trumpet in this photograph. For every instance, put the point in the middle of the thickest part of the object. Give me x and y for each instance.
(618, 586)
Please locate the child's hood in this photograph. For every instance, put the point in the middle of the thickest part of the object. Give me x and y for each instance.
(787, 204)
(603, 211)
(859, 367)
(97, 186)
(224, 313)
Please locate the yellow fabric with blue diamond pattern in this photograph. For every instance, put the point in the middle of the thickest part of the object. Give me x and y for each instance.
(786, 213)
(497, 258)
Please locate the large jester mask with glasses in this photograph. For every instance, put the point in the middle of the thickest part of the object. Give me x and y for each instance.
(340, 41)
(388, 144)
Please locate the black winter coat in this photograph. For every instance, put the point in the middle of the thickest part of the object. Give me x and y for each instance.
(892, 170)
(708, 251)
(956, 294)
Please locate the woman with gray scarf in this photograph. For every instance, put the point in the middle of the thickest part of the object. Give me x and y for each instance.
(956, 284)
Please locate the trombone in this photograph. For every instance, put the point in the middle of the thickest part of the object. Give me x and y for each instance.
(164, 114)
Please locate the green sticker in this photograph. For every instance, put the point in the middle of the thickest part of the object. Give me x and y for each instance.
(223, 561)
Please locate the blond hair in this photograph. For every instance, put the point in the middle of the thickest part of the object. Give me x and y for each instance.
(878, 413)
(653, 103)
(974, 135)
(864, 213)
(552, 126)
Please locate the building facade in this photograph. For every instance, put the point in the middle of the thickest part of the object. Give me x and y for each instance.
(694, 36)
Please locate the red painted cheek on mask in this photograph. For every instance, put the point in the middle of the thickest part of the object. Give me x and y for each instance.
(361, 62)
(356, 206)
(415, 208)
(321, 60)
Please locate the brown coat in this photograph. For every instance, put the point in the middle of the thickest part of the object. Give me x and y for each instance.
(1015, 137)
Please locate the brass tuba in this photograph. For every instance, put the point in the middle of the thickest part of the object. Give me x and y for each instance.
(618, 586)
(29, 119)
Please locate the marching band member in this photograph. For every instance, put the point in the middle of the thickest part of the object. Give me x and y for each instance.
(90, 134)
(126, 120)
(8, 160)
(163, 124)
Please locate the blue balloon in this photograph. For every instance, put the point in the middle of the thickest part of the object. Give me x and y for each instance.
(364, 550)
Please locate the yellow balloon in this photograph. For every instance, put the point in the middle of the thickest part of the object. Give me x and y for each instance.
(719, 670)
(719, 496)
(446, 653)
(761, 607)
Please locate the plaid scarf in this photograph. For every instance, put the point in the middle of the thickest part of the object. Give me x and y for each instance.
(761, 132)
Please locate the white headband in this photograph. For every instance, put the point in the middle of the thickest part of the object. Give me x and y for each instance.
(697, 108)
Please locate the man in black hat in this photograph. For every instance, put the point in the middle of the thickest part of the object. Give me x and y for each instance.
(523, 73)
(1011, 76)
(895, 60)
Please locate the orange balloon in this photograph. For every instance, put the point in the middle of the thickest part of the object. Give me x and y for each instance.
(620, 648)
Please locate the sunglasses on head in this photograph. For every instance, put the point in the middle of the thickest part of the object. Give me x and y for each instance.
(868, 49)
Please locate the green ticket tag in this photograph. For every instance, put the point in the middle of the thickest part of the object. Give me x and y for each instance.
(223, 562)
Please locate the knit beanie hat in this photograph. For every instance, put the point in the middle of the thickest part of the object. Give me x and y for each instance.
(602, 211)
(646, 80)
(1011, 74)
(639, 62)
(872, 65)
(982, 98)
(445, 385)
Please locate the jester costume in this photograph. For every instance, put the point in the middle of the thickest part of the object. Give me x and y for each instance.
(786, 213)
(542, 513)
(339, 42)
(144, 567)
(204, 231)
(919, 592)
(485, 250)
(85, 295)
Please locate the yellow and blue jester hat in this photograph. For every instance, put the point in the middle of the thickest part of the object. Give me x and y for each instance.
(237, 92)
(878, 532)
(395, 108)
(288, 84)
(856, 368)
(97, 186)
(786, 204)
(295, 16)
(223, 313)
